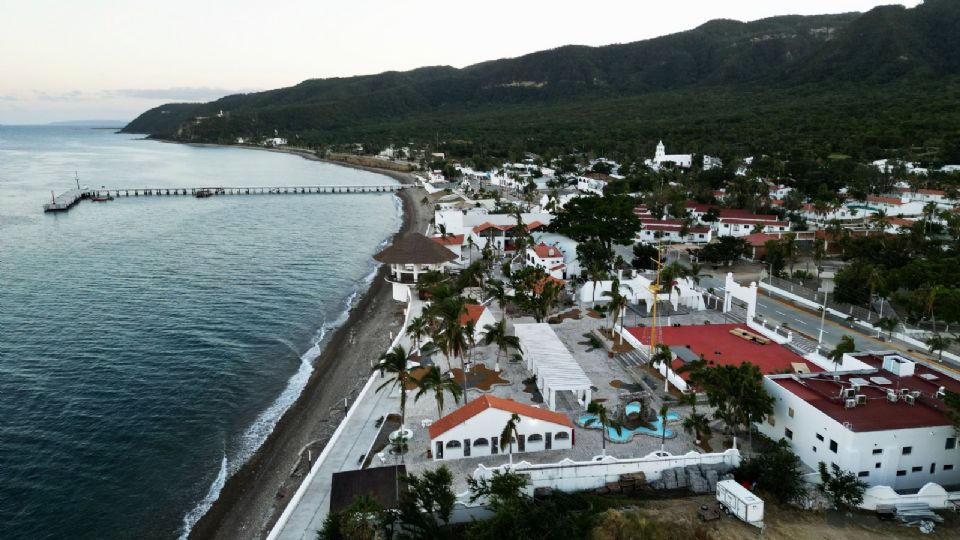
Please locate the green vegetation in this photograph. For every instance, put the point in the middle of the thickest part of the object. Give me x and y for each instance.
(843, 487)
(796, 88)
(775, 469)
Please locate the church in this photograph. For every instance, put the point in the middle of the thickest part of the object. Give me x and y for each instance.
(661, 157)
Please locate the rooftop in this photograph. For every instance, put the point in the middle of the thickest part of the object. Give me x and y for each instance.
(449, 240)
(546, 252)
(485, 402)
(878, 413)
(414, 248)
(472, 313)
(719, 346)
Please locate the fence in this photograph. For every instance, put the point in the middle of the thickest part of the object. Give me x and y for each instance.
(816, 297)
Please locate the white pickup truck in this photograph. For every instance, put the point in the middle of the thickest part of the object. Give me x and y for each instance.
(737, 500)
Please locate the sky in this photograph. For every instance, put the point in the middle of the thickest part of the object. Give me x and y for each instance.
(63, 60)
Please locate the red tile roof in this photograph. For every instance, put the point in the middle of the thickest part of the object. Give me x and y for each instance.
(546, 252)
(450, 240)
(885, 200)
(534, 225)
(878, 414)
(487, 225)
(760, 239)
(931, 192)
(485, 402)
(709, 339)
(473, 313)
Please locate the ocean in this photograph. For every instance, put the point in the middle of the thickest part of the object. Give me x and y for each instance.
(149, 344)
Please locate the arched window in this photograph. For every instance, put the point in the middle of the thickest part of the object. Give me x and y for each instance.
(536, 437)
(453, 444)
(481, 442)
(561, 435)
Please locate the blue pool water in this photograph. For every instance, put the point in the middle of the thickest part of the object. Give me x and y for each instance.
(626, 434)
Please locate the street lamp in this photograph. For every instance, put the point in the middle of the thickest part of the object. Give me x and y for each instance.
(823, 316)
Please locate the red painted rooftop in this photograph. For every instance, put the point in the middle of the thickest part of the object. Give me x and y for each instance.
(449, 240)
(472, 313)
(709, 339)
(485, 402)
(546, 252)
(878, 414)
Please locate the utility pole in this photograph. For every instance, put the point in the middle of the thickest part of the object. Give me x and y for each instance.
(823, 316)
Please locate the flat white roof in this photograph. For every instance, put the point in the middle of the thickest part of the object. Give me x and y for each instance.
(549, 359)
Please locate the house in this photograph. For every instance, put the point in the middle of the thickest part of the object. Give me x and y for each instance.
(480, 316)
(409, 256)
(436, 177)
(886, 424)
(745, 224)
(710, 162)
(474, 430)
(567, 247)
(547, 258)
(453, 242)
(593, 183)
(654, 230)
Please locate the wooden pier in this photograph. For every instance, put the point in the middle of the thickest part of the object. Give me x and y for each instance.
(66, 200)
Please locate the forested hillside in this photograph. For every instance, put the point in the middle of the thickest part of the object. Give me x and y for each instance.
(857, 84)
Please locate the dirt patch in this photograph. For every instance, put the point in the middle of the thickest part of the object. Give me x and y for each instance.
(573, 314)
(594, 314)
(480, 377)
(629, 387)
(788, 523)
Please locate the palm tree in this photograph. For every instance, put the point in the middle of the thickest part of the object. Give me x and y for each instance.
(418, 329)
(845, 346)
(509, 433)
(450, 334)
(470, 245)
(497, 291)
(497, 334)
(438, 383)
(790, 249)
(601, 416)
(617, 301)
(819, 253)
(664, 409)
(697, 425)
(597, 272)
(874, 282)
(881, 221)
(693, 272)
(394, 362)
(938, 343)
(929, 210)
(889, 324)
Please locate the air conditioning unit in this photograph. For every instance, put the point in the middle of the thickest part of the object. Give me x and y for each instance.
(861, 399)
(849, 392)
(941, 393)
(909, 399)
(850, 403)
(892, 396)
(915, 394)
(904, 392)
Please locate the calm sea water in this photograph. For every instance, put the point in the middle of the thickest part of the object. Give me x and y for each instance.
(148, 345)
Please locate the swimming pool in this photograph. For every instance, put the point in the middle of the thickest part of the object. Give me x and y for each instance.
(626, 434)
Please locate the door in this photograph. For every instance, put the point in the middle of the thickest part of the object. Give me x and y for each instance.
(520, 440)
(494, 442)
(439, 449)
(548, 442)
(466, 448)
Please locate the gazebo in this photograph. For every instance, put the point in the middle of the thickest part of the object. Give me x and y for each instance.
(410, 255)
(552, 364)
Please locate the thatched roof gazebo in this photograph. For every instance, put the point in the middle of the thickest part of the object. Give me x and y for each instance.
(410, 255)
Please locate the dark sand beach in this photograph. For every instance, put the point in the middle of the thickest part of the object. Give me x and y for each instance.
(253, 498)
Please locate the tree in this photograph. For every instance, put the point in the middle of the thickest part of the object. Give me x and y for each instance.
(938, 343)
(697, 425)
(496, 290)
(725, 251)
(735, 392)
(889, 324)
(596, 258)
(497, 334)
(846, 346)
(418, 328)
(819, 253)
(394, 363)
(428, 497)
(362, 520)
(602, 417)
(790, 249)
(775, 469)
(450, 334)
(618, 302)
(843, 487)
(664, 409)
(609, 219)
(439, 384)
(644, 257)
(509, 434)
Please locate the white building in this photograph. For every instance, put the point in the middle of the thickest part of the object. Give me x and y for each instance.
(672, 230)
(592, 183)
(886, 424)
(474, 430)
(661, 158)
(555, 369)
(453, 242)
(480, 316)
(742, 226)
(710, 162)
(547, 258)
(409, 256)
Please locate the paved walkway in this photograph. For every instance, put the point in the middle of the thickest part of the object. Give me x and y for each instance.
(357, 436)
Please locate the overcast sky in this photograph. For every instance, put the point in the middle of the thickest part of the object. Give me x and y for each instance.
(102, 59)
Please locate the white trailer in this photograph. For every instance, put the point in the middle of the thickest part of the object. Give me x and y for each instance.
(739, 501)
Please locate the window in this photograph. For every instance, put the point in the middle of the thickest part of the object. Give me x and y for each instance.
(814, 448)
(901, 473)
(916, 469)
(948, 467)
(863, 474)
(819, 437)
(951, 443)
(561, 435)
(790, 412)
(536, 437)
(877, 451)
(907, 450)
(876, 465)
(833, 446)
(787, 433)
(481, 442)
(453, 444)
(933, 468)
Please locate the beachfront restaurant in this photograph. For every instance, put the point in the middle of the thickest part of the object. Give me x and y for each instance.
(474, 430)
(411, 255)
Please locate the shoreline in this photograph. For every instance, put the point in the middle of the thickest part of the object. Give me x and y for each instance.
(252, 499)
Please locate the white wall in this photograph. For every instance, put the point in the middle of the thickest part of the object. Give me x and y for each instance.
(489, 424)
(855, 449)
